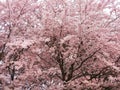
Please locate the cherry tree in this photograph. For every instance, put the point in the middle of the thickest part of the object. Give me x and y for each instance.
(59, 44)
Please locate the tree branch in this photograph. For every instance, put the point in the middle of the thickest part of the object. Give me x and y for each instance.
(90, 56)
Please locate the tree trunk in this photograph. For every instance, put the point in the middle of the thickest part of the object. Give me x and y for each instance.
(65, 86)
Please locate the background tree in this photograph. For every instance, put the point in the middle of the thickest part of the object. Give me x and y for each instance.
(48, 44)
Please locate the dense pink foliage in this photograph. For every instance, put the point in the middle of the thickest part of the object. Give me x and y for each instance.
(59, 45)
